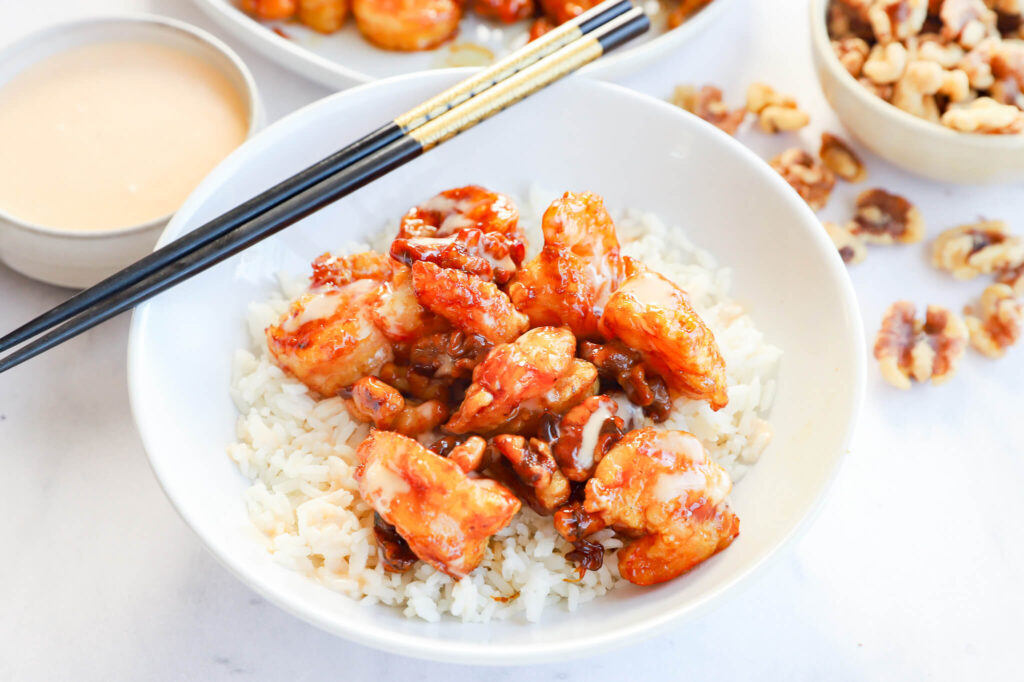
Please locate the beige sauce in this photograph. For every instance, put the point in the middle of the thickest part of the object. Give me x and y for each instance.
(108, 136)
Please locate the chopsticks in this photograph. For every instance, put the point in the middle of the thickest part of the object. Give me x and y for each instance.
(459, 108)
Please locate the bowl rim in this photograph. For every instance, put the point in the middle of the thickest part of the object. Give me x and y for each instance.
(822, 45)
(250, 94)
(419, 646)
(329, 72)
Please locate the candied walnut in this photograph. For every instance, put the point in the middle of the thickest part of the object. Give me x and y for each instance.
(488, 255)
(885, 63)
(896, 19)
(583, 439)
(685, 10)
(811, 179)
(909, 348)
(840, 159)
(916, 90)
(707, 103)
(459, 208)
(1014, 278)
(851, 247)
(414, 384)
(775, 112)
(329, 270)
(577, 384)
(967, 21)
(376, 402)
(997, 323)
(394, 550)
(977, 249)
(624, 366)
(852, 53)
(985, 115)
(448, 354)
(536, 467)
(469, 454)
(884, 218)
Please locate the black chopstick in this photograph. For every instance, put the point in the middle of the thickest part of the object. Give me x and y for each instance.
(377, 163)
(323, 169)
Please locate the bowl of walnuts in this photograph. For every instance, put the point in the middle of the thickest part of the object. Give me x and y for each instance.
(934, 86)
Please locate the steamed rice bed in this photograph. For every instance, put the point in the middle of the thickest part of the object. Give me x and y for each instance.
(299, 454)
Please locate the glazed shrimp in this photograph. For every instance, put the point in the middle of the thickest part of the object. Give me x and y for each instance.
(506, 11)
(323, 16)
(562, 11)
(407, 25)
(456, 209)
(270, 10)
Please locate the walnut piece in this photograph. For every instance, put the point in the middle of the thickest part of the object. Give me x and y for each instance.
(967, 21)
(985, 115)
(775, 112)
(707, 103)
(1013, 278)
(840, 159)
(885, 63)
(908, 348)
(980, 248)
(852, 53)
(896, 19)
(851, 247)
(884, 218)
(997, 324)
(809, 177)
(535, 466)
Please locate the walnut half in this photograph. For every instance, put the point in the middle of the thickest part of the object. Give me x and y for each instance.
(707, 103)
(840, 159)
(976, 249)
(997, 324)
(809, 177)
(884, 218)
(775, 112)
(908, 348)
(851, 247)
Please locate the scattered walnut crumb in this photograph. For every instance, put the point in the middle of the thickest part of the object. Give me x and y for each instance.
(840, 159)
(908, 348)
(977, 249)
(707, 103)
(997, 324)
(852, 53)
(852, 248)
(809, 177)
(884, 218)
(775, 112)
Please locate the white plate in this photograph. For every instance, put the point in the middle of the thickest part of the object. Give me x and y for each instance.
(567, 137)
(343, 59)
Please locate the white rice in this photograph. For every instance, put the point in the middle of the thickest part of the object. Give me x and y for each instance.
(299, 454)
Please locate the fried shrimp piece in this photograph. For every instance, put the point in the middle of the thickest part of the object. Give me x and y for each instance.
(576, 271)
(323, 16)
(505, 11)
(491, 256)
(327, 338)
(468, 303)
(396, 310)
(535, 466)
(341, 270)
(384, 406)
(444, 515)
(661, 487)
(407, 25)
(511, 377)
(460, 208)
(270, 10)
(577, 384)
(654, 316)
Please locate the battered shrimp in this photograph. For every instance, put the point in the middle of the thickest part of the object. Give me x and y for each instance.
(445, 516)
(662, 487)
(652, 315)
(468, 303)
(513, 374)
(324, 16)
(562, 11)
(397, 311)
(507, 11)
(341, 270)
(270, 10)
(461, 208)
(576, 271)
(407, 25)
(327, 339)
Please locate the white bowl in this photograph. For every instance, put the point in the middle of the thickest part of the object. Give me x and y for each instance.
(569, 137)
(75, 258)
(919, 146)
(345, 58)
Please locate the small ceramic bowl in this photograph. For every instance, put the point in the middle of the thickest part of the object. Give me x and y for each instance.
(80, 259)
(921, 147)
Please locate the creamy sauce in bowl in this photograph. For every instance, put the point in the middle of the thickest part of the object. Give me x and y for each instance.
(112, 135)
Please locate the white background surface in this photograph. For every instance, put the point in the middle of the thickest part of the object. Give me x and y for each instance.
(912, 571)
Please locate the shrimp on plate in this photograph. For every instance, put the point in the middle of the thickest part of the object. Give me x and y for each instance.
(407, 25)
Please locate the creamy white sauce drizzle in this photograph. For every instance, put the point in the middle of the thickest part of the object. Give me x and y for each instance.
(316, 306)
(591, 431)
(382, 485)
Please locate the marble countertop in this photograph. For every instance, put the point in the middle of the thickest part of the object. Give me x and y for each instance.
(911, 571)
